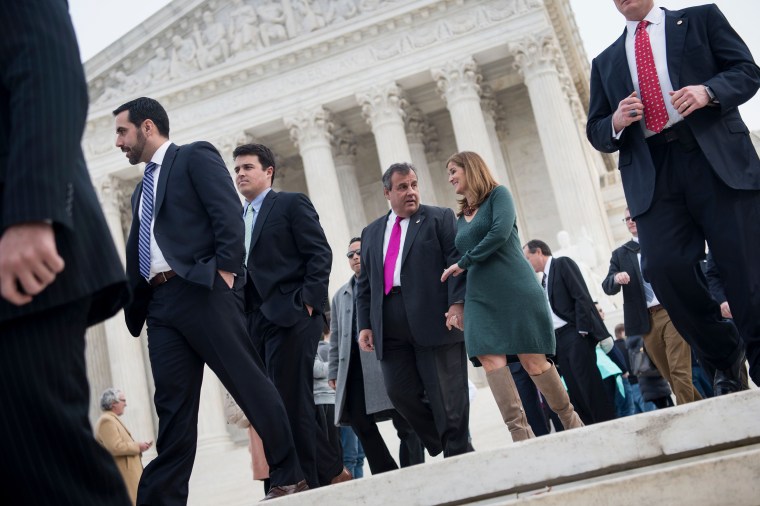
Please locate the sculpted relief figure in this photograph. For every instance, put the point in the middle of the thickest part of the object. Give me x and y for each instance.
(341, 10)
(158, 67)
(310, 14)
(213, 47)
(122, 84)
(244, 29)
(272, 24)
(183, 61)
(584, 255)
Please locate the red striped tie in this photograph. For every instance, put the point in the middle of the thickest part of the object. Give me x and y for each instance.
(655, 113)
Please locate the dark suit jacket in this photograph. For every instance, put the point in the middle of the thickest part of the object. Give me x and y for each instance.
(702, 48)
(428, 250)
(290, 259)
(198, 223)
(635, 314)
(570, 299)
(43, 108)
(714, 282)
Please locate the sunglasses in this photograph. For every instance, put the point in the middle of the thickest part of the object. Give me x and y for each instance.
(353, 252)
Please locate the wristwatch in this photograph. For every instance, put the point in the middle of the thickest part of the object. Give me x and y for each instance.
(713, 99)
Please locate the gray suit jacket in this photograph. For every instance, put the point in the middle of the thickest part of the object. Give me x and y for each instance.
(341, 316)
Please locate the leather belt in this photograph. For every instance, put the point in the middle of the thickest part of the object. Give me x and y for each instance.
(678, 132)
(654, 309)
(161, 278)
(395, 290)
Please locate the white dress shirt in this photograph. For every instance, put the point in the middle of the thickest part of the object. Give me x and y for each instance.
(157, 261)
(556, 320)
(654, 301)
(388, 229)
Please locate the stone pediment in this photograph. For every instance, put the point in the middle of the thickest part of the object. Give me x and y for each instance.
(197, 41)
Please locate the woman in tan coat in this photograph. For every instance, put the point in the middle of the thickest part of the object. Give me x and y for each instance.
(114, 436)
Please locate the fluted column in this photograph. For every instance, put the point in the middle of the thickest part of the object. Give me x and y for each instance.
(383, 108)
(344, 154)
(124, 351)
(577, 194)
(311, 133)
(493, 115)
(212, 427)
(416, 127)
(458, 83)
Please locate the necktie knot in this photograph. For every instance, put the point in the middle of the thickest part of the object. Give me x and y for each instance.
(399, 219)
(642, 25)
(150, 167)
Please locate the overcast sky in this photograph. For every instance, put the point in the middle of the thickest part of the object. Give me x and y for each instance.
(100, 22)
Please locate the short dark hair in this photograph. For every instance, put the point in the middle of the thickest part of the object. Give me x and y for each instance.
(264, 154)
(354, 239)
(144, 108)
(619, 330)
(402, 168)
(536, 244)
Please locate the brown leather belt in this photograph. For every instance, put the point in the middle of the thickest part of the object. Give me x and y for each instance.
(654, 309)
(161, 278)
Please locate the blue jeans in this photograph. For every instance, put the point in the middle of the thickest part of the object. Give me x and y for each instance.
(624, 404)
(353, 453)
(639, 404)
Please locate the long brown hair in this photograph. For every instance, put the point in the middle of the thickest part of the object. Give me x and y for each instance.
(480, 181)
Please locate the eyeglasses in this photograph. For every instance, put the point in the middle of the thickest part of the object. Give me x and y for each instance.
(627, 219)
(353, 252)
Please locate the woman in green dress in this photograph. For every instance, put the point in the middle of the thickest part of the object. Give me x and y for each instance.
(505, 310)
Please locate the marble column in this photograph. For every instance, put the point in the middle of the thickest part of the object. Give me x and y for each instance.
(383, 108)
(212, 427)
(124, 351)
(416, 129)
(576, 192)
(344, 153)
(458, 82)
(493, 115)
(310, 130)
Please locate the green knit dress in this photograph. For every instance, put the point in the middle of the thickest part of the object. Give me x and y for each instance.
(505, 309)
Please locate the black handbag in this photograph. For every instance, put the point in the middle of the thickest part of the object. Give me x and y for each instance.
(641, 364)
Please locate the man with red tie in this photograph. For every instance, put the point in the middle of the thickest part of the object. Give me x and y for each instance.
(401, 309)
(665, 95)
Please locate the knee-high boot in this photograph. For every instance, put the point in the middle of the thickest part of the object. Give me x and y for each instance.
(549, 383)
(505, 392)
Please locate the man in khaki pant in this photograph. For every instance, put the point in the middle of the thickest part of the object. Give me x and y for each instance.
(644, 315)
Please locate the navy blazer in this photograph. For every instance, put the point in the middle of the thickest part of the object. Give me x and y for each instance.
(635, 314)
(198, 224)
(428, 250)
(702, 48)
(290, 259)
(570, 299)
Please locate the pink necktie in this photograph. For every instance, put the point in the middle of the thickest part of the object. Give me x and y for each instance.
(655, 113)
(392, 255)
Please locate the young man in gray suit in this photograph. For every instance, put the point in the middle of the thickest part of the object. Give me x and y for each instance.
(59, 269)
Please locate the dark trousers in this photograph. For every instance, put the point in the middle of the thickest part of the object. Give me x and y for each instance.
(364, 425)
(189, 325)
(691, 206)
(288, 354)
(576, 356)
(414, 373)
(329, 450)
(49, 453)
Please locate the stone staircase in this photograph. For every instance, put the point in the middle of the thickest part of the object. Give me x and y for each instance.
(705, 453)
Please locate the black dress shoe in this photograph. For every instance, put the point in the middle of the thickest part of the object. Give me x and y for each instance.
(282, 490)
(728, 381)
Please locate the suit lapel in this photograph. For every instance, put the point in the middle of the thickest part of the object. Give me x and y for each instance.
(415, 223)
(163, 176)
(378, 237)
(136, 201)
(675, 38)
(266, 206)
(620, 70)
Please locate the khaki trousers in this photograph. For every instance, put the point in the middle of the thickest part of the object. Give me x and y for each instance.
(671, 355)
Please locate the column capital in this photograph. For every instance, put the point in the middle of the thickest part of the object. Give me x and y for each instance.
(535, 54)
(343, 145)
(310, 127)
(416, 125)
(458, 79)
(229, 141)
(492, 108)
(382, 103)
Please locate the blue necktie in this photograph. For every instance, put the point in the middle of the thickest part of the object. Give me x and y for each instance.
(648, 292)
(146, 218)
(250, 213)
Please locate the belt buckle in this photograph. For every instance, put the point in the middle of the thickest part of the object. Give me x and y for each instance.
(670, 135)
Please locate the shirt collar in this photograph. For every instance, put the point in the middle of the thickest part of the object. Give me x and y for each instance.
(256, 202)
(158, 156)
(548, 266)
(655, 17)
(636, 239)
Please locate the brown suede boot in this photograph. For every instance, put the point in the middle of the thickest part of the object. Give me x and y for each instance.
(505, 392)
(549, 383)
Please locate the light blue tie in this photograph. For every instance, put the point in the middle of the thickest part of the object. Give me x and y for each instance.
(250, 212)
(648, 292)
(146, 218)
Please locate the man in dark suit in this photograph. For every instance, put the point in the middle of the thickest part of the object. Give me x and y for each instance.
(59, 269)
(402, 307)
(665, 95)
(577, 327)
(644, 315)
(288, 269)
(185, 265)
(356, 377)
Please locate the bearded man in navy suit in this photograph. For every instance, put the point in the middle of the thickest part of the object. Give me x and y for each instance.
(665, 95)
